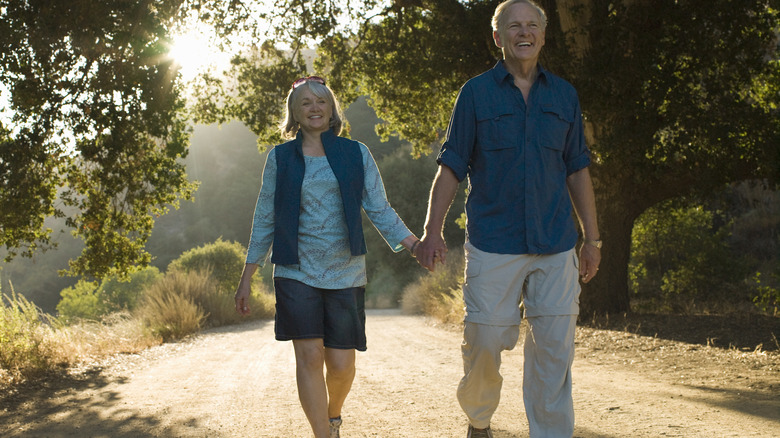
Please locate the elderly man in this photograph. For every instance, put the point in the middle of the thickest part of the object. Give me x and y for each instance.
(516, 132)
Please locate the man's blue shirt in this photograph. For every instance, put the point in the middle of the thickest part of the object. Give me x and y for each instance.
(517, 155)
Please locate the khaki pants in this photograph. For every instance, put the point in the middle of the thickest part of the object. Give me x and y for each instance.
(548, 287)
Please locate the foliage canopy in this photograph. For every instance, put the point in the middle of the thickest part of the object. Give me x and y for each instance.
(679, 96)
(92, 129)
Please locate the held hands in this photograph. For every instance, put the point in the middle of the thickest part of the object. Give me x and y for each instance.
(430, 250)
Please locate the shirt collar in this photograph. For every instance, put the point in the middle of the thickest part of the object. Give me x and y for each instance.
(500, 72)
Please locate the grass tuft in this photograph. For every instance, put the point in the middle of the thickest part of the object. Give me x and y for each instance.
(439, 293)
(24, 348)
(116, 333)
(171, 306)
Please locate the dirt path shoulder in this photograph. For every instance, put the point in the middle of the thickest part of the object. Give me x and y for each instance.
(238, 382)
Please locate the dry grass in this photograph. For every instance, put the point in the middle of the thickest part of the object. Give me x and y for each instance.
(439, 293)
(25, 347)
(33, 343)
(172, 307)
(117, 333)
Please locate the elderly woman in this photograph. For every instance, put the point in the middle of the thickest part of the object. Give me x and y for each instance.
(309, 214)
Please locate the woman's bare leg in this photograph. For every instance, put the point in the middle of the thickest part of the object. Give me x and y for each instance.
(340, 366)
(312, 392)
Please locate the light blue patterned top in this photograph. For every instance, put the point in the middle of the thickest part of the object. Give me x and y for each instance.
(323, 243)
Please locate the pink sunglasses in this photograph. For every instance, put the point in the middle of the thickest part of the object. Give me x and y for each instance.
(301, 81)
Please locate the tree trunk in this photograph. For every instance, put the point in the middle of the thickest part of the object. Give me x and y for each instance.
(574, 16)
(617, 204)
(608, 291)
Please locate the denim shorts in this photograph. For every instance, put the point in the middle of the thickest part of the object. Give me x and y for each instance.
(337, 316)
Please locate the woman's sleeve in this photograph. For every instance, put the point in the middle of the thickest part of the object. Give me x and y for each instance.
(377, 207)
(263, 220)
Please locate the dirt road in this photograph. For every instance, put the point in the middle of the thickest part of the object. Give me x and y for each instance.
(238, 382)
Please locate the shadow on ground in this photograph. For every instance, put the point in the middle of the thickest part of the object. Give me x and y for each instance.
(63, 407)
(745, 332)
(79, 403)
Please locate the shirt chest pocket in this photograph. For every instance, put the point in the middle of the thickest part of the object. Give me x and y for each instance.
(496, 127)
(554, 125)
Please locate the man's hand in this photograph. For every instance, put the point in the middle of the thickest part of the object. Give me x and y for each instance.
(590, 258)
(431, 249)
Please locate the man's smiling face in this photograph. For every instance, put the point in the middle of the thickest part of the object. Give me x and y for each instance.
(521, 37)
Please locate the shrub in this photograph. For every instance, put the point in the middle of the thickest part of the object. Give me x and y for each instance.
(679, 257)
(262, 302)
(181, 303)
(24, 350)
(439, 293)
(225, 261)
(80, 301)
(767, 292)
(123, 294)
(87, 300)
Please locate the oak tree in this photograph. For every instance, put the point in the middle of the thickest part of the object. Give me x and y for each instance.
(92, 126)
(678, 96)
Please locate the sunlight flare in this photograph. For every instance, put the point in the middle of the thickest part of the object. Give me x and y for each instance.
(196, 52)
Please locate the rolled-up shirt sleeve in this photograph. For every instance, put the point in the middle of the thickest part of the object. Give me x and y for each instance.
(456, 151)
(378, 208)
(263, 220)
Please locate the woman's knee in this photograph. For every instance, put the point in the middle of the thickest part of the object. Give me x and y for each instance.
(309, 353)
(340, 363)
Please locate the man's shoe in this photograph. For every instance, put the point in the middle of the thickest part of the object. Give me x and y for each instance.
(335, 423)
(479, 433)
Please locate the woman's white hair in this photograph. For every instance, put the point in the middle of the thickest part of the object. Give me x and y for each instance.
(290, 126)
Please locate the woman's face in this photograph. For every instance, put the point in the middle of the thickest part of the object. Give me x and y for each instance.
(313, 113)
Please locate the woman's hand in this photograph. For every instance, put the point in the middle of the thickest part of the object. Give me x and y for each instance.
(244, 289)
(242, 299)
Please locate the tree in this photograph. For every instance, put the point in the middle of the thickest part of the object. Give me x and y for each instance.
(93, 126)
(679, 96)
(669, 118)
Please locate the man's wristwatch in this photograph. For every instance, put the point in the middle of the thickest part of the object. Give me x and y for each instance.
(596, 243)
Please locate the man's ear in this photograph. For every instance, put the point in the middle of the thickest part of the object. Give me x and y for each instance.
(497, 39)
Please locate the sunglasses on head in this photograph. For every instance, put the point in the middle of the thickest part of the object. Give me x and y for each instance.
(301, 81)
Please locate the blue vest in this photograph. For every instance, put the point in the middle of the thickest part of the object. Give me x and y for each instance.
(346, 161)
